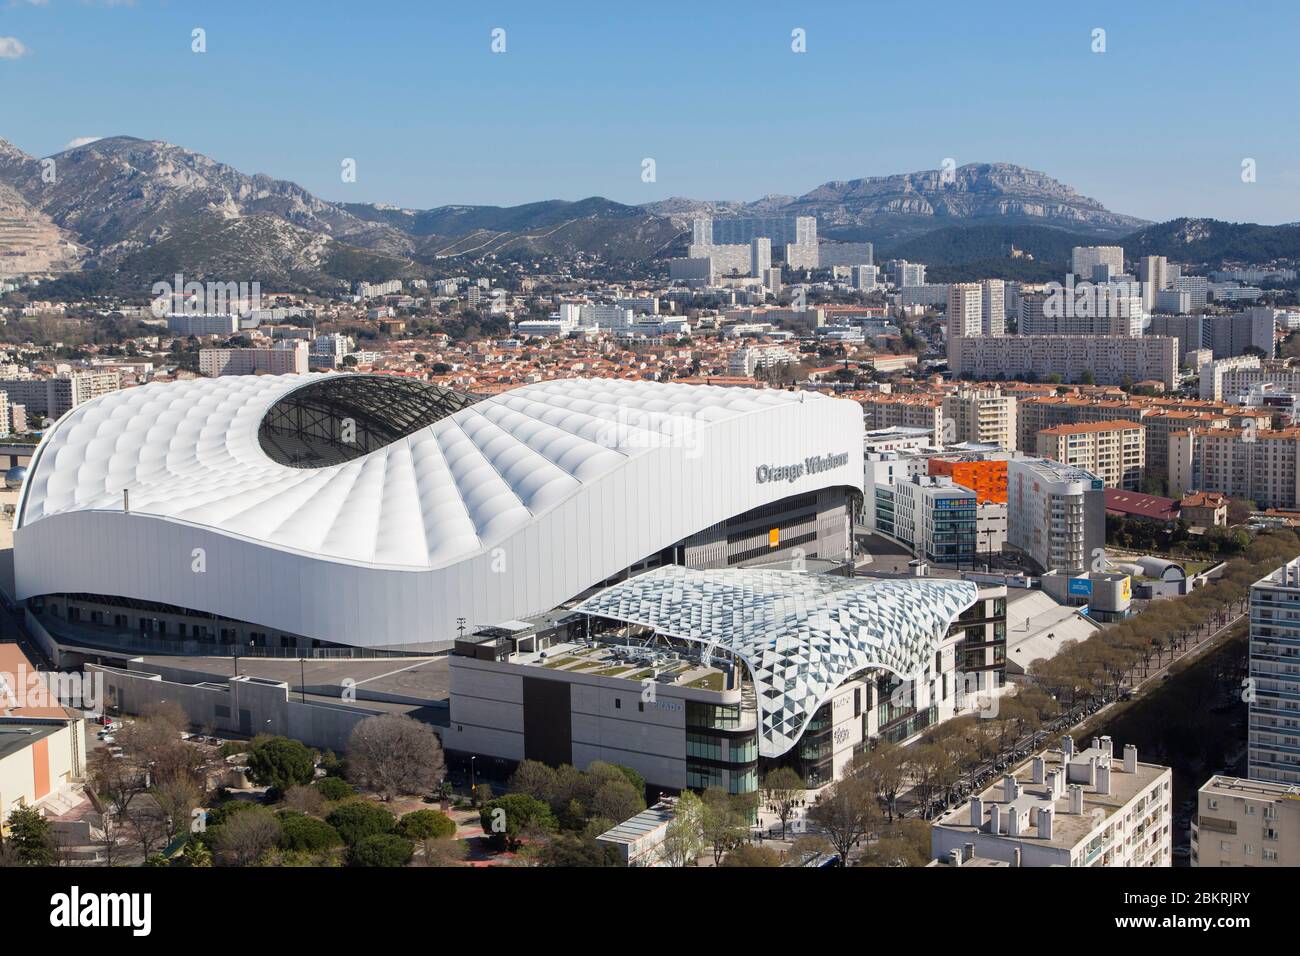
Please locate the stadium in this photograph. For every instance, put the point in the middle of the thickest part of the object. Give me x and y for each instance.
(318, 513)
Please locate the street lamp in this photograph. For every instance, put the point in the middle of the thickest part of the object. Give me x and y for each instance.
(460, 627)
(473, 787)
(302, 678)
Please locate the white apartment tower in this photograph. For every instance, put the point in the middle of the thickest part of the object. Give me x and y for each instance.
(965, 314)
(1084, 259)
(1274, 744)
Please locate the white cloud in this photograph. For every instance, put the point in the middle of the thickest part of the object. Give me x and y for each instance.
(11, 48)
(81, 141)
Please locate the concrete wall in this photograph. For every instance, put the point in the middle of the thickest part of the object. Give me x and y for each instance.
(243, 706)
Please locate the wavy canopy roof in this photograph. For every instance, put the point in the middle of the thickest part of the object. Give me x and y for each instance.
(801, 635)
(457, 484)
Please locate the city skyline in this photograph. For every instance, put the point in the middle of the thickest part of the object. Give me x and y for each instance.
(433, 117)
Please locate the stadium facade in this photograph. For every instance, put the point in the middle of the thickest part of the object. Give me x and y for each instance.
(376, 511)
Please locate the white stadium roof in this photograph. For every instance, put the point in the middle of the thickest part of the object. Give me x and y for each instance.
(800, 635)
(552, 487)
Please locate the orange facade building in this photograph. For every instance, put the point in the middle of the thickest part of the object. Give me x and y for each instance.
(988, 479)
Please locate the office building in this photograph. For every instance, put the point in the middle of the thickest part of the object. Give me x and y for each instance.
(933, 516)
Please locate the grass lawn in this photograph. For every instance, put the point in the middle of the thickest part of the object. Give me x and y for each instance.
(708, 682)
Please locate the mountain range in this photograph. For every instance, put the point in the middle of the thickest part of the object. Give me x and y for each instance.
(136, 210)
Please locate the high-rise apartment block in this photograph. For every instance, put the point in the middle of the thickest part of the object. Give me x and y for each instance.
(1274, 741)
(286, 359)
(985, 416)
(1085, 259)
(1056, 514)
(1114, 451)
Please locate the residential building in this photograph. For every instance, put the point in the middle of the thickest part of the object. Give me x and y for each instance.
(54, 397)
(965, 312)
(1067, 808)
(1274, 735)
(1114, 451)
(986, 477)
(1084, 259)
(1110, 359)
(288, 358)
(1242, 822)
(904, 411)
(1056, 514)
(197, 324)
(1259, 465)
(1204, 509)
(985, 416)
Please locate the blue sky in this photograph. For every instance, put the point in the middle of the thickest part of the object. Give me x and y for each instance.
(1156, 126)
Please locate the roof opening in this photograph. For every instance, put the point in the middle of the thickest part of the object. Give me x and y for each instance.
(337, 419)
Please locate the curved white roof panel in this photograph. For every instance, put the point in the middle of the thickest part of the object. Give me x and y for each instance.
(800, 635)
(491, 510)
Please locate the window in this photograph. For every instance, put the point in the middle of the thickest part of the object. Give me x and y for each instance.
(618, 703)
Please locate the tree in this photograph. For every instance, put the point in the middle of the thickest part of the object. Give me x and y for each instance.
(306, 834)
(534, 779)
(425, 825)
(508, 820)
(246, 836)
(177, 797)
(115, 779)
(749, 854)
(845, 813)
(684, 837)
(31, 838)
(280, 762)
(724, 822)
(906, 843)
(443, 851)
(570, 850)
(884, 768)
(357, 820)
(148, 825)
(307, 800)
(784, 788)
(392, 755)
(383, 849)
(617, 800)
(196, 854)
(332, 788)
